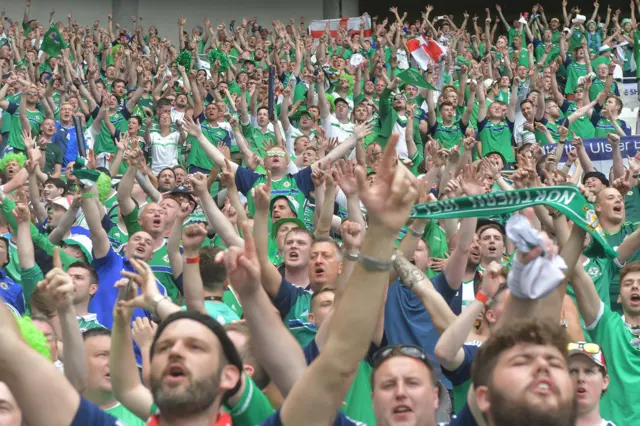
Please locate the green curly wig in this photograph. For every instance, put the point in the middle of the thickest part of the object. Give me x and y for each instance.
(34, 337)
(104, 187)
(12, 156)
(184, 59)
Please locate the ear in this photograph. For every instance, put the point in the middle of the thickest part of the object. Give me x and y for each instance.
(229, 376)
(490, 316)
(436, 397)
(340, 268)
(312, 318)
(606, 379)
(619, 301)
(93, 288)
(248, 369)
(482, 398)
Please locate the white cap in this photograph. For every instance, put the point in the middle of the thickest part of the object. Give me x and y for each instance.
(62, 202)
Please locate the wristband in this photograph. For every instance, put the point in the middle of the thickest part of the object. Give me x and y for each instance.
(87, 195)
(480, 296)
(156, 301)
(352, 256)
(372, 264)
(414, 232)
(192, 260)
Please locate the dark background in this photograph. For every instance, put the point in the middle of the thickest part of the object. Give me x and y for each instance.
(511, 9)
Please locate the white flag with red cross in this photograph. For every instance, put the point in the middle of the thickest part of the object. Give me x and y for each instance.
(426, 51)
(350, 25)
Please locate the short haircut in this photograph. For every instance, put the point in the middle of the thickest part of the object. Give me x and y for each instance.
(629, 268)
(162, 102)
(300, 230)
(317, 293)
(331, 241)
(526, 101)
(532, 330)
(213, 274)
(260, 376)
(445, 104)
(93, 332)
(93, 275)
(8, 248)
(167, 169)
(118, 80)
(178, 167)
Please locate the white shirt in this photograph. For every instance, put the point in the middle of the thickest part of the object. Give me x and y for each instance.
(336, 129)
(164, 151)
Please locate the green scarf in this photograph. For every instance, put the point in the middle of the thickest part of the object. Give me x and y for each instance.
(565, 198)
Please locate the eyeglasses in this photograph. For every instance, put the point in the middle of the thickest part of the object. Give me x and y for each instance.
(275, 154)
(590, 348)
(383, 354)
(32, 93)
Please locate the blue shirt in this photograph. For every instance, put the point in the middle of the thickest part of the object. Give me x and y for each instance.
(463, 418)
(407, 322)
(12, 294)
(463, 373)
(68, 142)
(108, 269)
(451, 296)
(89, 414)
(341, 420)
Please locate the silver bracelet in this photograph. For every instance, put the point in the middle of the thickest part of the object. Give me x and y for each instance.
(372, 264)
(352, 256)
(415, 233)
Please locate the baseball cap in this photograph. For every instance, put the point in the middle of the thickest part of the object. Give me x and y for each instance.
(183, 190)
(293, 204)
(591, 350)
(280, 222)
(309, 113)
(336, 100)
(598, 175)
(82, 242)
(62, 202)
(484, 224)
(489, 82)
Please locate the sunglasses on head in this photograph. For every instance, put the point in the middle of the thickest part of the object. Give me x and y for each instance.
(411, 351)
(590, 348)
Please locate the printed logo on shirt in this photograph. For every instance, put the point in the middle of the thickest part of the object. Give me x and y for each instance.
(4, 285)
(166, 258)
(593, 271)
(286, 184)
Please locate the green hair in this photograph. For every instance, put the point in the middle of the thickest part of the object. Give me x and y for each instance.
(349, 78)
(104, 187)
(12, 156)
(34, 337)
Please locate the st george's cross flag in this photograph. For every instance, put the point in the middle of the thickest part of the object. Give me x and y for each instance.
(426, 51)
(351, 25)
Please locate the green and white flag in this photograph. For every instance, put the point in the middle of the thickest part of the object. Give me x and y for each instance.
(413, 76)
(565, 198)
(53, 42)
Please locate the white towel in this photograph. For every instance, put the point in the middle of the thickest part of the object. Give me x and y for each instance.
(540, 276)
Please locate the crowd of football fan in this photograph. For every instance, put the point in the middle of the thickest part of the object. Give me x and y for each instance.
(216, 230)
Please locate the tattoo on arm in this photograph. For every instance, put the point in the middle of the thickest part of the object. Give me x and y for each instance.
(409, 274)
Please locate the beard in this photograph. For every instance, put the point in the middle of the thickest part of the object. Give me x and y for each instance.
(196, 398)
(507, 412)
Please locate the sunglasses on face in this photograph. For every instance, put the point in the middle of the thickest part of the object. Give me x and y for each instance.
(275, 154)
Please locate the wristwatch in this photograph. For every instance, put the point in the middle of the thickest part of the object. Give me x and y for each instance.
(352, 256)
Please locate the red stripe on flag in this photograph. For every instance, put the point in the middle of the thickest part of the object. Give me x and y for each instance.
(334, 34)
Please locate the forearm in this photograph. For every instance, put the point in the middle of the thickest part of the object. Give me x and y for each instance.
(65, 224)
(76, 368)
(584, 159)
(219, 222)
(448, 348)
(125, 189)
(193, 287)
(148, 187)
(173, 248)
(323, 226)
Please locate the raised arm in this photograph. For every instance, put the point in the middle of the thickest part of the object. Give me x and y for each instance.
(449, 350)
(352, 327)
(93, 216)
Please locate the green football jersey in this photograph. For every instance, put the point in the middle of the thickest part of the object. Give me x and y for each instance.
(496, 137)
(104, 142)
(15, 136)
(615, 239)
(88, 322)
(252, 408)
(126, 417)
(162, 269)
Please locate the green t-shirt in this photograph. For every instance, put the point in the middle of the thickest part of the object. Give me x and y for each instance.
(622, 349)
(15, 136)
(449, 136)
(615, 239)
(297, 319)
(231, 300)
(53, 156)
(197, 156)
(162, 269)
(582, 126)
(104, 140)
(253, 407)
(125, 416)
(88, 322)
(497, 137)
(285, 186)
(632, 205)
(575, 70)
(602, 271)
(219, 311)
(255, 138)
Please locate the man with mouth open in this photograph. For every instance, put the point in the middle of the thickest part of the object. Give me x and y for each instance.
(590, 380)
(108, 264)
(618, 337)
